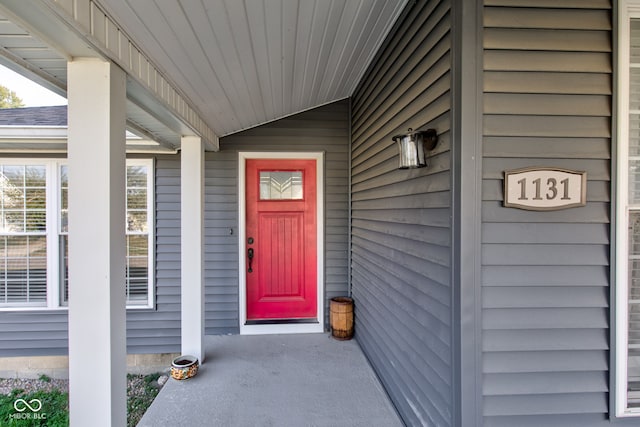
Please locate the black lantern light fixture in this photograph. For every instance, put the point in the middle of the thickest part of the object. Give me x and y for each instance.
(412, 146)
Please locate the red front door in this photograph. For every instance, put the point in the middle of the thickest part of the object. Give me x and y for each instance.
(281, 234)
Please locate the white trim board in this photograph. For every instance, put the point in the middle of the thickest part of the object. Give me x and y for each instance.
(628, 10)
(291, 328)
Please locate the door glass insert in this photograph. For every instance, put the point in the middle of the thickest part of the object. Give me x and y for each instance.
(281, 185)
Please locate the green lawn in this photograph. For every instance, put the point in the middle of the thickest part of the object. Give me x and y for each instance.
(51, 408)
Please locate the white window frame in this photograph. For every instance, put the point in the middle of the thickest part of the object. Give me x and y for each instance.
(628, 9)
(52, 268)
(54, 284)
(151, 212)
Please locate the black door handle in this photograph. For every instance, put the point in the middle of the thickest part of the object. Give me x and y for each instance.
(250, 256)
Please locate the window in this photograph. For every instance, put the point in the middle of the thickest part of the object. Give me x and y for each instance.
(34, 233)
(276, 185)
(138, 236)
(627, 268)
(23, 248)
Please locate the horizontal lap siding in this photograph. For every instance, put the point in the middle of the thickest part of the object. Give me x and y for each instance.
(221, 244)
(33, 333)
(158, 331)
(45, 332)
(547, 102)
(401, 219)
(324, 129)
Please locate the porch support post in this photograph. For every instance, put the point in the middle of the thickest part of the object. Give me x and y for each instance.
(97, 332)
(192, 244)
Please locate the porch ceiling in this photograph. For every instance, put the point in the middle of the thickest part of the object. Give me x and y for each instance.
(238, 64)
(247, 62)
(27, 54)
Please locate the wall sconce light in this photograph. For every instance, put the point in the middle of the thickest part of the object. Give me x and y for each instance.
(412, 146)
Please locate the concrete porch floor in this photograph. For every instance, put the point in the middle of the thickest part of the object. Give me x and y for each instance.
(276, 380)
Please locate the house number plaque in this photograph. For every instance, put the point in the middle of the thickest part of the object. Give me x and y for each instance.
(544, 189)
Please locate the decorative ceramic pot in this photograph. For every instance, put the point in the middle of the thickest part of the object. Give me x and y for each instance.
(184, 367)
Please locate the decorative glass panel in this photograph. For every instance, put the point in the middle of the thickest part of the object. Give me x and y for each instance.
(280, 185)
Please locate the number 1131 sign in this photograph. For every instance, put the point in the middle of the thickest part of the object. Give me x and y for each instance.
(544, 189)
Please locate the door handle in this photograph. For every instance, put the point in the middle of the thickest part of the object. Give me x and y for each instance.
(250, 256)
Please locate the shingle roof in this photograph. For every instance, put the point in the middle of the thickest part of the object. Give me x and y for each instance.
(34, 116)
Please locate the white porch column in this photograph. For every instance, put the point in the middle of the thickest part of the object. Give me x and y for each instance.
(97, 332)
(192, 244)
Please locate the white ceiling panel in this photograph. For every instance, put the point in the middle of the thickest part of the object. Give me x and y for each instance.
(19, 49)
(239, 63)
(246, 62)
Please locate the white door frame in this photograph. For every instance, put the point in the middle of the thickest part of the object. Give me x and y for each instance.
(290, 328)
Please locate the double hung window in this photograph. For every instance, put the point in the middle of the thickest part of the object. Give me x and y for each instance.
(23, 238)
(34, 234)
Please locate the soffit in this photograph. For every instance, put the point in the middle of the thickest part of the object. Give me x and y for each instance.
(27, 54)
(244, 63)
(237, 63)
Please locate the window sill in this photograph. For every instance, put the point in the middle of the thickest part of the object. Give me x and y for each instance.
(53, 309)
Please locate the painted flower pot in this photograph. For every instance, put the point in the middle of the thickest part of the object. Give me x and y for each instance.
(184, 367)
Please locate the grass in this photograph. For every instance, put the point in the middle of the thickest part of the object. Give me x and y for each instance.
(53, 413)
(141, 390)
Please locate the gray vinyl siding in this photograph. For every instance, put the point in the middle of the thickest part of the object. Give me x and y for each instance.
(221, 249)
(33, 333)
(45, 332)
(158, 330)
(221, 244)
(545, 275)
(324, 129)
(401, 219)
